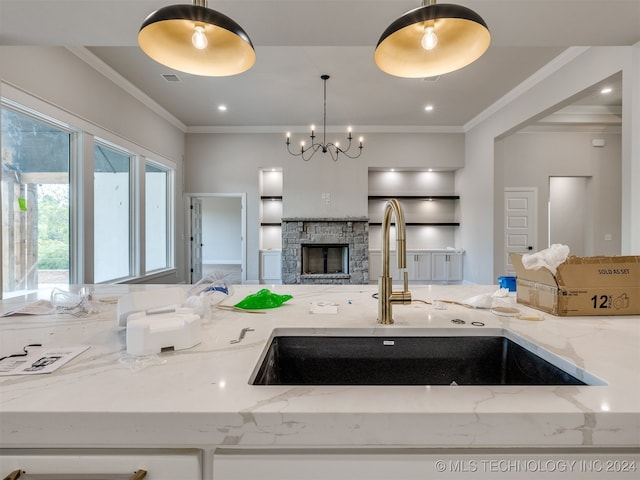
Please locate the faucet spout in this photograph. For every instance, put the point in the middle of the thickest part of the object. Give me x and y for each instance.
(386, 296)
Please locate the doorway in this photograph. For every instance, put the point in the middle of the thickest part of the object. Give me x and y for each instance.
(217, 233)
(569, 219)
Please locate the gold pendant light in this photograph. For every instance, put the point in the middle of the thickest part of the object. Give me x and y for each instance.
(197, 40)
(432, 40)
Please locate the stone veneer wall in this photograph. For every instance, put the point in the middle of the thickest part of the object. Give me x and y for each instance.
(302, 231)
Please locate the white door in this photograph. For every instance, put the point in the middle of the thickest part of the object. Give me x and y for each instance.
(519, 223)
(196, 239)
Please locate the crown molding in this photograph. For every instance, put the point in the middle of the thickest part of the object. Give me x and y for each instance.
(89, 58)
(357, 130)
(553, 66)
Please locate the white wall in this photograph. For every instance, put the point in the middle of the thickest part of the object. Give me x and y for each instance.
(564, 78)
(62, 79)
(570, 214)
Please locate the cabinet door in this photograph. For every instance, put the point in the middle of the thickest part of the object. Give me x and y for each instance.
(158, 464)
(439, 268)
(446, 267)
(419, 266)
(455, 267)
(396, 274)
(270, 267)
(375, 267)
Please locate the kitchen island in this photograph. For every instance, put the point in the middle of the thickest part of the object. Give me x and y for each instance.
(200, 400)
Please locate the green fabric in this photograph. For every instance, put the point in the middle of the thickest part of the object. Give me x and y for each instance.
(262, 299)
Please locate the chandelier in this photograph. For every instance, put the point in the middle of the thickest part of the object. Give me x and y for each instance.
(334, 149)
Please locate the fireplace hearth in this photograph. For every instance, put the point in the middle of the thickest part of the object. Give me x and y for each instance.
(325, 251)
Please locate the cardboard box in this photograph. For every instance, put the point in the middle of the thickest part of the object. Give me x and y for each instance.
(581, 286)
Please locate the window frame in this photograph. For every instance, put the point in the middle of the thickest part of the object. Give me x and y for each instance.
(33, 114)
(170, 220)
(83, 134)
(134, 252)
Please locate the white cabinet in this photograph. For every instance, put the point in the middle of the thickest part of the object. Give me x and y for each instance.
(120, 464)
(419, 266)
(271, 266)
(446, 267)
(422, 266)
(375, 266)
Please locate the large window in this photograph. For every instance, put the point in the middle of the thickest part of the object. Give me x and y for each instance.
(35, 203)
(111, 213)
(158, 183)
(52, 233)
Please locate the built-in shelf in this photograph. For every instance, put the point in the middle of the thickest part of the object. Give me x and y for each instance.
(415, 197)
(270, 206)
(376, 198)
(426, 224)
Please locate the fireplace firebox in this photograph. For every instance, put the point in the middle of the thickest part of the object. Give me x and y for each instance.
(325, 259)
(332, 251)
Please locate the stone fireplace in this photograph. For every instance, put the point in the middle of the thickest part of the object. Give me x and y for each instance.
(325, 251)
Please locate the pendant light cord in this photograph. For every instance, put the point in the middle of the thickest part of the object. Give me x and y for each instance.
(324, 118)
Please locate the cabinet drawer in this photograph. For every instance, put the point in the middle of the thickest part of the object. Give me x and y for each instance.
(107, 465)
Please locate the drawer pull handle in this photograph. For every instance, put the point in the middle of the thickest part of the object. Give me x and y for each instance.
(22, 475)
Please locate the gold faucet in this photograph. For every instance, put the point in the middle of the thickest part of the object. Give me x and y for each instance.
(386, 296)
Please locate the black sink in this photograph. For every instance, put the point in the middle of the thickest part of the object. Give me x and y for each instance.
(404, 360)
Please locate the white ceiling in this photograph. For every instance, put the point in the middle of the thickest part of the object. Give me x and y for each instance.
(298, 40)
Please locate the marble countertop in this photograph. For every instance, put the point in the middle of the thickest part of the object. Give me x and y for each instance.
(202, 396)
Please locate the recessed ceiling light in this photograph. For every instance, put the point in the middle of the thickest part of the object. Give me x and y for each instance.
(606, 90)
(222, 108)
(428, 108)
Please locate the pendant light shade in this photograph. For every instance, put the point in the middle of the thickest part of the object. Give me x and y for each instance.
(195, 39)
(432, 40)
